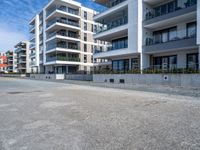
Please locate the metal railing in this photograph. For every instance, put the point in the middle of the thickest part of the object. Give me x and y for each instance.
(65, 46)
(116, 23)
(59, 20)
(64, 9)
(32, 54)
(153, 14)
(151, 40)
(62, 58)
(110, 48)
(66, 34)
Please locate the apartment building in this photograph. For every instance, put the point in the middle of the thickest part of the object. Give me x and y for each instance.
(150, 34)
(170, 34)
(11, 61)
(120, 26)
(22, 56)
(62, 38)
(3, 63)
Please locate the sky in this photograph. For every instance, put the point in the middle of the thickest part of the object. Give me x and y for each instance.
(15, 15)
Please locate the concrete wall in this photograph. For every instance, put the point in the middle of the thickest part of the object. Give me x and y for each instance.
(13, 75)
(183, 80)
(47, 76)
(83, 77)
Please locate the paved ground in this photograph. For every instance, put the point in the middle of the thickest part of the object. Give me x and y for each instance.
(37, 115)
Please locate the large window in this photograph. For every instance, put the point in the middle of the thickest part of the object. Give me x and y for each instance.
(120, 65)
(191, 29)
(120, 43)
(165, 62)
(166, 8)
(192, 61)
(165, 35)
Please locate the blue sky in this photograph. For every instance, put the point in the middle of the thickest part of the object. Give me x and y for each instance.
(15, 15)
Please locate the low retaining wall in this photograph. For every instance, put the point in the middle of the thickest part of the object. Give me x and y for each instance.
(83, 77)
(183, 80)
(13, 75)
(48, 76)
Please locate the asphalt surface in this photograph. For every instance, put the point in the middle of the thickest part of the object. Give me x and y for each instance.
(39, 115)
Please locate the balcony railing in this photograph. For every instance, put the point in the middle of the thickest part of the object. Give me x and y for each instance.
(31, 27)
(66, 34)
(32, 46)
(152, 41)
(110, 4)
(110, 48)
(113, 24)
(62, 58)
(59, 20)
(153, 14)
(64, 9)
(65, 46)
(32, 63)
(32, 54)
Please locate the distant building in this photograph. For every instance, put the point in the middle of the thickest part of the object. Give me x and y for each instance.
(22, 56)
(61, 38)
(11, 61)
(3, 63)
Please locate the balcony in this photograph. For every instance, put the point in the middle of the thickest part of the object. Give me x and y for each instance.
(111, 52)
(110, 3)
(32, 46)
(32, 63)
(155, 18)
(63, 9)
(62, 58)
(177, 43)
(32, 54)
(66, 46)
(115, 28)
(31, 28)
(120, 5)
(64, 34)
(63, 21)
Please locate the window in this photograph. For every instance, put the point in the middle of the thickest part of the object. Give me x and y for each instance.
(85, 36)
(85, 58)
(192, 61)
(135, 63)
(191, 29)
(120, 65)
(165, 35)
(85, 48)
(85, 26)
(165, 62)
(85, 15)
(120, 43)
(172, 34)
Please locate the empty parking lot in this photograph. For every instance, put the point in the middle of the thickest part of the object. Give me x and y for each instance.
(38, 115)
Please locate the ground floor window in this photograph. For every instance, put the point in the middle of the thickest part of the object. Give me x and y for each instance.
(135, 63)
(192, 61)
(165, 62)
(120, 65)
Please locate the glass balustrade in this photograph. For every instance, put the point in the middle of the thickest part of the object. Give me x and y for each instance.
(168, 8)
(62, 58)
(64, 9)
(64, 21)
(113, 24)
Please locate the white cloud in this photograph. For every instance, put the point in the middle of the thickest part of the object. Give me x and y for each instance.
(9, 37)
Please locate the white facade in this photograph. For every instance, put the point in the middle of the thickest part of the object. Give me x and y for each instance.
(162, 34)
(62, 38)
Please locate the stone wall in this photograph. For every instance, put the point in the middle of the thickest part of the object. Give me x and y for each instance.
(183, 80)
